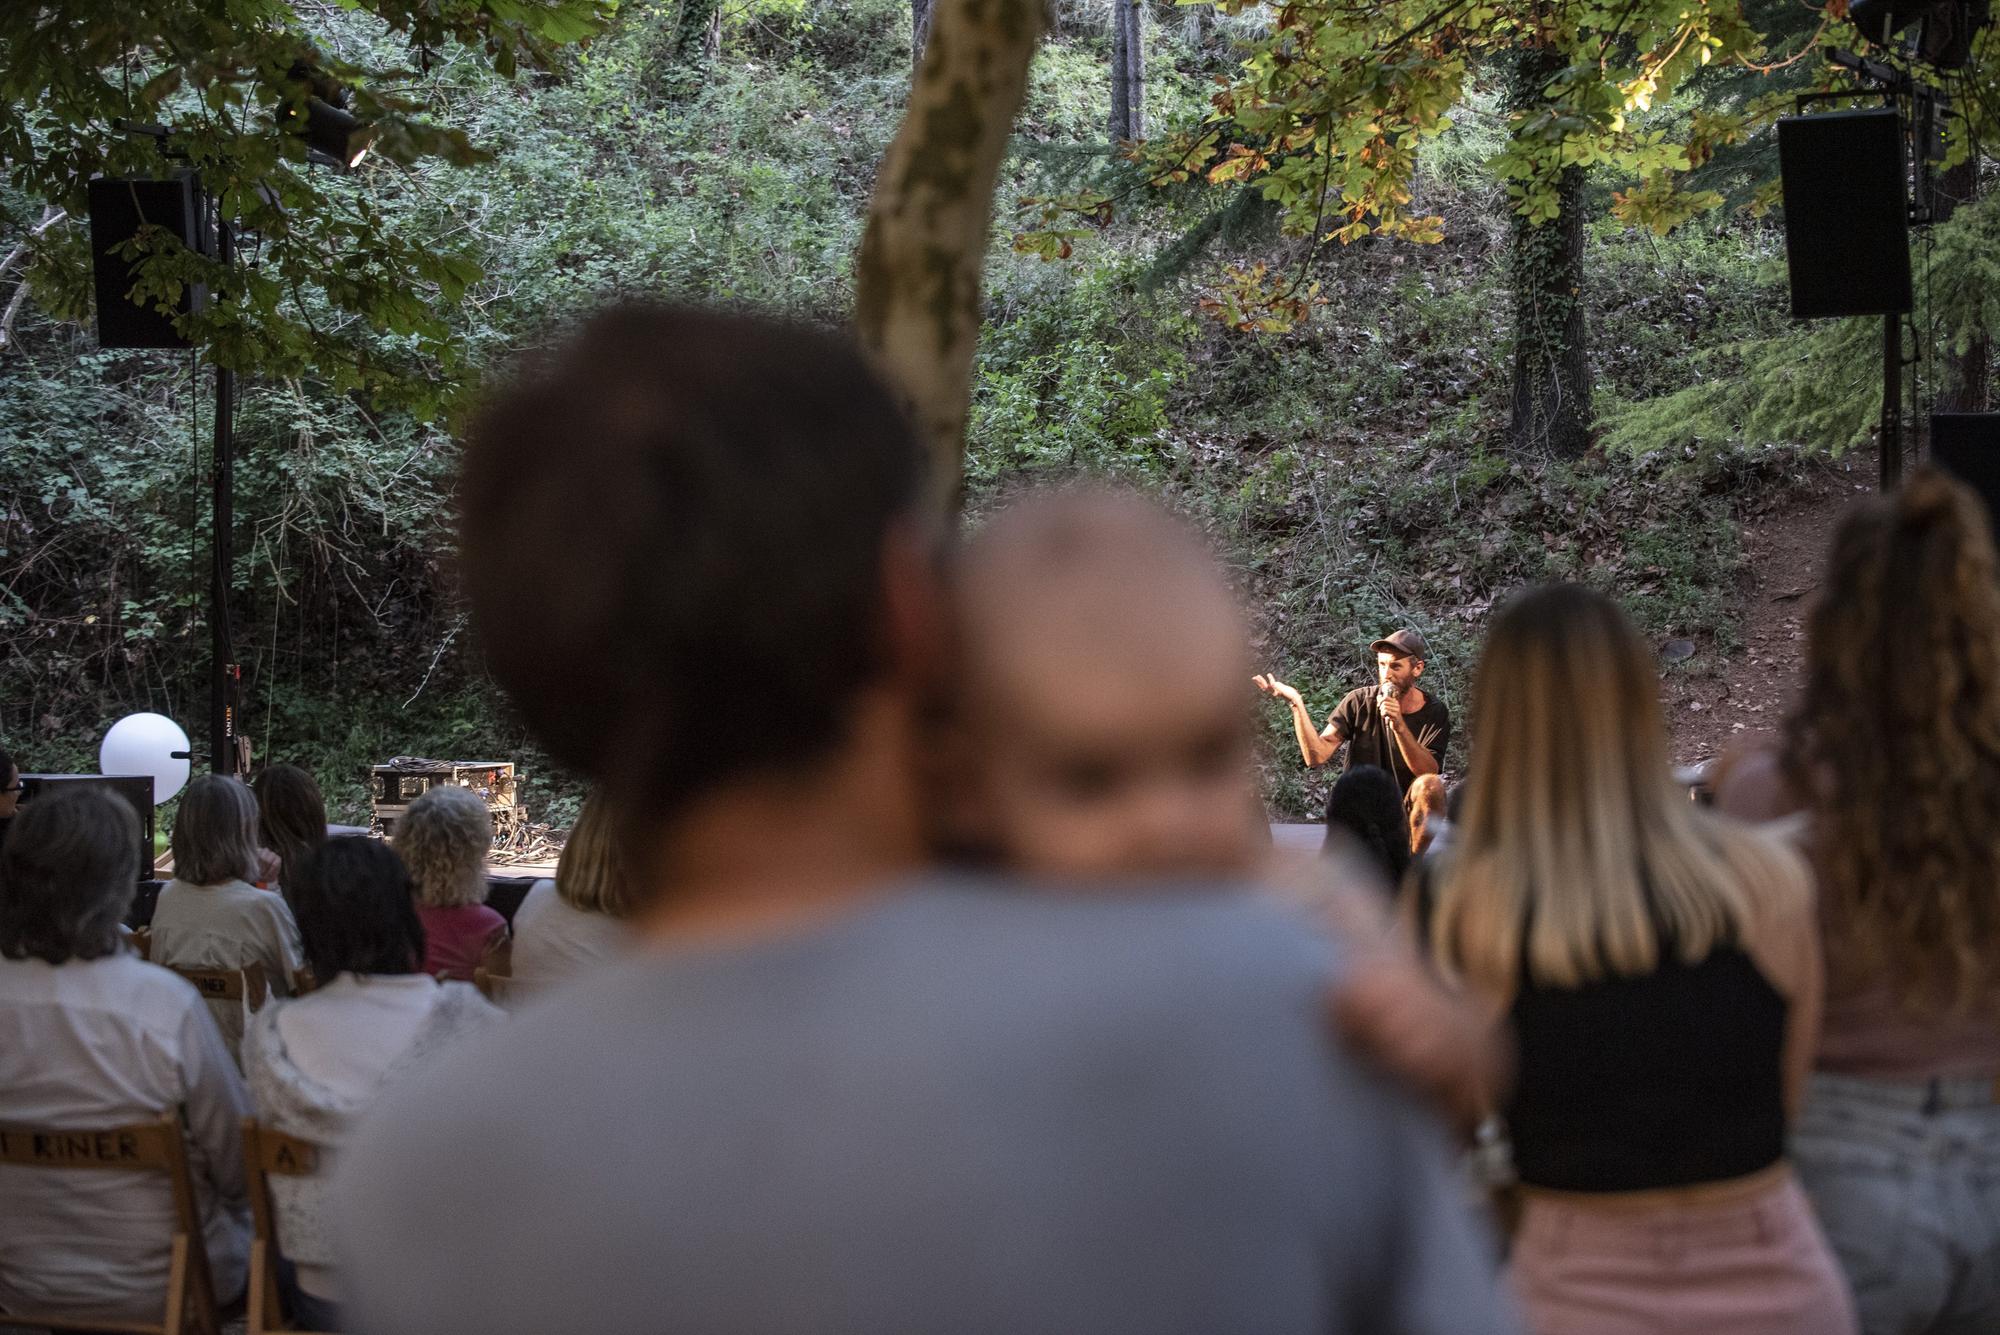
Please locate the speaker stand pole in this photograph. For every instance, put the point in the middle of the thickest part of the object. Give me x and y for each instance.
(221, 700)
(1891, 435)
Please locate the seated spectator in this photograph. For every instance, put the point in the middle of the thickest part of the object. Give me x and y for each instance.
(92, 1037)
(836, 1092)
(1363, 806)
(1889, 775)
(444, 838)
(10, 794)
(315, 1063)
(1426, 811)
(579, 919)
(1661, 970)
(210, 916)
(291, 818)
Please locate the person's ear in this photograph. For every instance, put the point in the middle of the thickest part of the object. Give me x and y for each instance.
(1416, 667)
(915, 622)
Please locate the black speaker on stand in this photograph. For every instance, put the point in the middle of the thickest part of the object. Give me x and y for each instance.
(1967, 446)
(1847, 237)
(118, 208)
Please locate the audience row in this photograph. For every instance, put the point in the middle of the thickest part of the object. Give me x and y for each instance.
(1747, 1059)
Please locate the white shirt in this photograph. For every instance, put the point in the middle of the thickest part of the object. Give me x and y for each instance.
(554, 941)
(92, 1044)
(346, 1035)
(335, 1046)
(227, 926)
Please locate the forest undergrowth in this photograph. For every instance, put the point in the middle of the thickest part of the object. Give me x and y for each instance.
(1351, 468)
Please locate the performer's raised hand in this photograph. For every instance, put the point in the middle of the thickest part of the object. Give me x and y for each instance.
(1391, 706)
(1271, 686)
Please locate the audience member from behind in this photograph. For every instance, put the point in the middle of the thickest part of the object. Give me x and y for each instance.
(836, 1092)
(210, 916)
(444, 838)
(1893, 757)
(91, 1038)
(317, 1062)
(10, 794)
(580, 919)
(1364, 808)
(291, 818)
(1661, 971)
(1101, 733)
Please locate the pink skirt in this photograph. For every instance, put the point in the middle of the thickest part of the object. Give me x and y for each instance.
(1754, 1266)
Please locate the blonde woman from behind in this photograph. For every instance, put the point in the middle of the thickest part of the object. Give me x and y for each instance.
(1660, 971)
(210, 916)
(566, 925)
(444, 838)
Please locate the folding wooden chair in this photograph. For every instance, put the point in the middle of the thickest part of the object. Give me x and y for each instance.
(267, 1154)
(142, 941)
(498, 988)
(246, 984)
(141, 1147)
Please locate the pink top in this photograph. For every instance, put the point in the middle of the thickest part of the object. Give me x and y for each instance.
(456, 939)
(1865, 1032)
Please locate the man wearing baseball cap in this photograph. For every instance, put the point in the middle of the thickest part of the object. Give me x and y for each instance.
(1392, 724)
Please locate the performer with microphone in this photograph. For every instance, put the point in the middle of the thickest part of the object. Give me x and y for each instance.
(1392, 724)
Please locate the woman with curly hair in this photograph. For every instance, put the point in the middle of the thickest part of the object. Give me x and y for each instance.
(444, 838)
(1660, 970)
(1892, 759)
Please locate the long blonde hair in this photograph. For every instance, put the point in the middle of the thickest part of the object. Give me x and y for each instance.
(1896, 743)
(1575, 855)
(592, 874)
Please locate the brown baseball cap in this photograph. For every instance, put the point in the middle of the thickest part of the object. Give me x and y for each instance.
(1403, 644)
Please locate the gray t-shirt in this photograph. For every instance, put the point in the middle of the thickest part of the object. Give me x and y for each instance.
(962, 1109)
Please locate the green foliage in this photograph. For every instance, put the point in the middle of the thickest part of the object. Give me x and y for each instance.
(228, 83)
(1820, 384)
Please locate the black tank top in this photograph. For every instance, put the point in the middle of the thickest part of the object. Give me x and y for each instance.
(1663, 1080)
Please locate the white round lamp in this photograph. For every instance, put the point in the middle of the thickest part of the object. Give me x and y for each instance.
(151, 744)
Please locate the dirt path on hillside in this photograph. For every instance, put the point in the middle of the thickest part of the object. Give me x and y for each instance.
(1713, 703)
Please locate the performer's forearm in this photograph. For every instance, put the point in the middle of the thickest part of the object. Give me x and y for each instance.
(1416, 758)
(1316, 749)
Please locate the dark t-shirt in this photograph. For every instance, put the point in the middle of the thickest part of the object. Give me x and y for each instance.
(1368, 742)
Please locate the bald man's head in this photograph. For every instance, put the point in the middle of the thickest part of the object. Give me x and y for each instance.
(1106, 726)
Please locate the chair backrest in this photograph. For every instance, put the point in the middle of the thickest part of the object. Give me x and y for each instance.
(139, 1147)
(269, 1153)
(498, 988)
(246, 984)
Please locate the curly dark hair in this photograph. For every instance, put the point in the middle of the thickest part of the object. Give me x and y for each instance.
(1896, 743)
(676, 497)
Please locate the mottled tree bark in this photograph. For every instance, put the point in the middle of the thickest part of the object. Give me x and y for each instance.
(1128, 70)
(920, 30)
(1552, 380)
(917, 276)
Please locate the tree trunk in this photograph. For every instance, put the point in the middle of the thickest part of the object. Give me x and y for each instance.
(1552, 382)
(1128, 70)
(917, 275)
(1968, 374)
(696, 36)
(920, 30)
